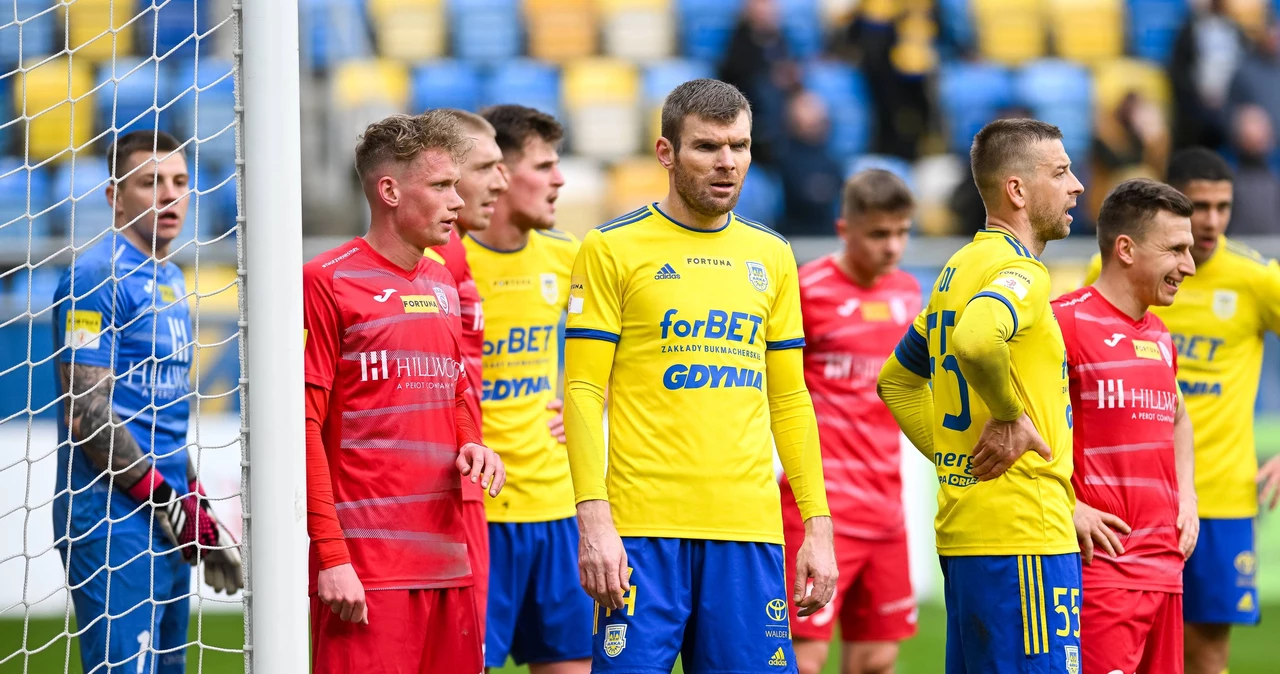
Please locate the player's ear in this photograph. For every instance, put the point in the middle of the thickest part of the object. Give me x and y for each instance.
(1124, 248)
(666, 152)
(110, 193)
(1016, 191)
(389, 191)
(842, 227)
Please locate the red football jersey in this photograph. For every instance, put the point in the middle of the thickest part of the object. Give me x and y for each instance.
(471, 321)
(849, 332)
(380, 340)
(1124, 395)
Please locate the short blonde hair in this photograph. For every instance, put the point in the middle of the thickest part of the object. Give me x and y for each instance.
(401, 138)
(473, 124)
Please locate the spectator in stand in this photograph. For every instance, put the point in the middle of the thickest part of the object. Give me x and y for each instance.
(811, 178)
(1257, 82)
(759, 63)
(1131, 141)
(1257, 191)
(1206, 53)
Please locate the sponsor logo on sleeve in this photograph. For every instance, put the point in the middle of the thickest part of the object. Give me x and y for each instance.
(420, 304)
(577, 288)
(83, 329)
(1015, 282)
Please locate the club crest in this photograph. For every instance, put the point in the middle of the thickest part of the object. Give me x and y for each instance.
(550, 288)
(443, 299)
(615, 639)
(1224, 304)
(757, 275)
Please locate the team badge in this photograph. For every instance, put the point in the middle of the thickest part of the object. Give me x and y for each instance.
(550, 288)
(898, 309)
(443, 299)
(757, 275)
(615, 639)
(1164, 352)
(1073, 659)
(1224, 304)
(1246, 563)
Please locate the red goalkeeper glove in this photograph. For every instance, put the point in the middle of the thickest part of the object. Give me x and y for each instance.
(190, 525)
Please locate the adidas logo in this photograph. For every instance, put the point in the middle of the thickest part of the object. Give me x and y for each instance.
(1246, 603)
(667, 273)
(779, 659)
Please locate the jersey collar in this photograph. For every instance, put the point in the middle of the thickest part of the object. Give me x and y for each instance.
(728, 219)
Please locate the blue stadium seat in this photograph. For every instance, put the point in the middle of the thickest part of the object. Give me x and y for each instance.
(332, 31)
(801, 27)
(761, 198)
(37, 31)
(660, 78)
(970, 95)
(895, 165)
(446, 84)
(210, 87)
(212, 212)
(848, 104)
(6, 110)
(955, 26)
(90, 214)
(705, 26)
(172, 26)
(1154, 25)
(526, 82)
(137, 97)
(1061, 93)
(485, 30)
(14, 183)
(42, 283)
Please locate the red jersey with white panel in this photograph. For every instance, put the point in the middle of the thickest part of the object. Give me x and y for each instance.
(1124, 396)
(381, 340)
(849, 332)
(453, 255)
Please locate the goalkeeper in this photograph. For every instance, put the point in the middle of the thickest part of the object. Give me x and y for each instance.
(130, 515)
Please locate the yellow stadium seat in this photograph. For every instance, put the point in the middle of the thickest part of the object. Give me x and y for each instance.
(561, 30)
(369, 82)
(1010, 32)
(600, 96)
(97, 29)
(600, 80)
(635, 182)
(57, 97)
(611, 6)
(412, 32)
(581, 205)
(1087, 31)
(1113, 80)
(639, 31)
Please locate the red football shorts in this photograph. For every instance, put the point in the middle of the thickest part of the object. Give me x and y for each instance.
(476, 528)
(409, 631)
(1131, 632)
(873, 598)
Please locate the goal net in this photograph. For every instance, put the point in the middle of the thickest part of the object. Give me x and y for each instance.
(122, 326)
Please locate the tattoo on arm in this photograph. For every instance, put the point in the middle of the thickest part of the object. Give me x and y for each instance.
(97, 430)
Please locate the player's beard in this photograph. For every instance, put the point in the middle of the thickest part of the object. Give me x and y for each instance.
(1049, 223)
(694, 194)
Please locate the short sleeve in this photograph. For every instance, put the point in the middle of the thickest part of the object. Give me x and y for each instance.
(1094, 271)
(1022, 285)
(321, 324)
(913, 349)
(785, 329)
(88, 315)
(1269, 296)
(595, 295)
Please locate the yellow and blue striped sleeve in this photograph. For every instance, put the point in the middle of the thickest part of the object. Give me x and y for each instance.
(785, 329)
(595, 298)
(903, 385)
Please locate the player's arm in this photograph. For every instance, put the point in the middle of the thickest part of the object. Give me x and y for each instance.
(475, 460)
(1184, 456)
(1094, 271)
(101, 434)
(903, 385)
(1269, 473)
(592, 332)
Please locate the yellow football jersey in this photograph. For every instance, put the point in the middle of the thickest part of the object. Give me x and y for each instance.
(1218, 321)
(690, 452)
(1027, 510)
(525, 293)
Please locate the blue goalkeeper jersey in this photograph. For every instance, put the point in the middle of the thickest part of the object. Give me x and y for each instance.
(119, 308)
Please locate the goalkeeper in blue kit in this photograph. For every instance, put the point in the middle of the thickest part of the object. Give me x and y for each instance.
(129, 515)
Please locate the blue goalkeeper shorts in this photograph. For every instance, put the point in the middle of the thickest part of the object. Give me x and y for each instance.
(1013, 614)
(720, 605)
(143, 630)
(1219, 585)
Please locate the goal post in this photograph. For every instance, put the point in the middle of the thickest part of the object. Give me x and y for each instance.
(276, 625)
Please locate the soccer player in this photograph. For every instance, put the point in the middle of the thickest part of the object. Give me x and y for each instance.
(482, 182)
(856, 304)
(1134, 461)
(522, 266)
(1218, 324)
(690, 315)
(997, 417)
(126, 483)
(388, 429)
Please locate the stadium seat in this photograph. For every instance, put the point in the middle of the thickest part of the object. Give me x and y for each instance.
(1087, 31)
(762, 198)
(526, 82)
(600, 97)
(1009, 31)
(133, 103)
(637, 30)
(955, 24)
(18, 216)
(485, 30)
(659, 79)
(409, 30)
(970, 95)
(41, 283)
(1061, 93)
(1153, 26)
(895, 165)
(53, 89)
(848, 104)
(705, 26)
(206, 95)
(172, 28)
(84, 212)
(35, 36)
(580, 206)
(446, 84)
(373, 80)
(561, 30)
(211, 211)
(635, 182)
(96, 29)
(1113, 80)
(801, 27)
(332, 31)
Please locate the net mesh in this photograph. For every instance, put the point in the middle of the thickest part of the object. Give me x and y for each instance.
(88, 577)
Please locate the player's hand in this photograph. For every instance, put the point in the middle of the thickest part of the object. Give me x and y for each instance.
(340, 589)
(557, 422)
(1188, 524)
(482, 465)
(1097, 528)
(1002, 443)
(1269, 483)
(602, 560)
(816, 562)
(216, 546)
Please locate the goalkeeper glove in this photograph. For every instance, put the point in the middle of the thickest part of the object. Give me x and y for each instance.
(188, 522)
